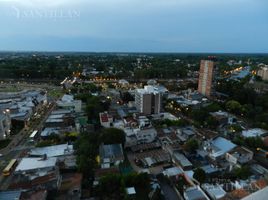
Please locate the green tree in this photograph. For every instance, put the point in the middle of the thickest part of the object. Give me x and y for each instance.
(200, 175)
(112, 136)
(233, 106)
(242, 173)
(191, 145)
(112, 187)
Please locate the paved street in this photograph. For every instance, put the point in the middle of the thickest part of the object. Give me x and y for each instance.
(19, 143)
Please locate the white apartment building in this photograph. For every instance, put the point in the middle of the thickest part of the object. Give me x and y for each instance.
(148, 100)
(5, 124)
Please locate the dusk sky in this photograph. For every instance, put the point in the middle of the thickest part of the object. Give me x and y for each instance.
(223, 26)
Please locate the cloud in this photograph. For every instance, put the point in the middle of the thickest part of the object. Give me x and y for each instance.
(137, 24)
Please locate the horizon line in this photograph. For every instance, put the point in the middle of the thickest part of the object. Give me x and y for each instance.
(126, 52)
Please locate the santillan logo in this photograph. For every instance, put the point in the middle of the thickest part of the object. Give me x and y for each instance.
(54, 14)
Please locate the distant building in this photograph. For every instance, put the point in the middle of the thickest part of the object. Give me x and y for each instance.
(5, 124)
(22, 105)
(259, 87)
(205, 77)
(148, 100)
(263, 73)
(111, 155)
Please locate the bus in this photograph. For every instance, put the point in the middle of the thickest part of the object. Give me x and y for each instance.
(33, 135)
(11, 165)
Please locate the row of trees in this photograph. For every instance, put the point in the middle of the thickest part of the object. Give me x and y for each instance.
(87, 149)
(245, 101)
(114, 186)
(202, 116)
(94, 105)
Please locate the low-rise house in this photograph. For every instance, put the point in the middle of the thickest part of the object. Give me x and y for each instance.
(210, 169)
(60, 120)
(184, 134)
(70, 186)
(182, 161)
(152, 158)
(239, 156)
(37, 173)
(29, 165)
(12, 194)
(223, 118)
(173, 171)
(131, 192)
(218, 147)
(195, 193)
(214, 191)
(139, 136)
(111, 155)
(52, 151)
(106, 120)
(255, 132)
(68, 102)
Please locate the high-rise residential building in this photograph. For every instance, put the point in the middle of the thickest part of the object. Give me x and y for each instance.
(5, 124)
(205, 77)
(148, 100)
(263, 73)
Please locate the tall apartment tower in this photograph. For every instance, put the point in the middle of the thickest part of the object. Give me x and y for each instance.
(263, 73)
(148, 101)
(5, 124)
(205, 77)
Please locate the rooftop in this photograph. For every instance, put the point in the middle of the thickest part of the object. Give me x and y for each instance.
(35, 163)
(254, 132)
(111, 151)
(10, 195)
(131, 190)
(221, 146)
(52, 151)
(184, 162)
(148, 89)
(195, 193)
(214, 191)
(173, 171)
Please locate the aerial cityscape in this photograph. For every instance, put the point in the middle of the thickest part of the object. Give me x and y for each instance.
(133, 100)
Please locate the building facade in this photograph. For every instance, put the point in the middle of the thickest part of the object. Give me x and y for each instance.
(5, 124)
(148, 100)
(205, 77)
(263, 73)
